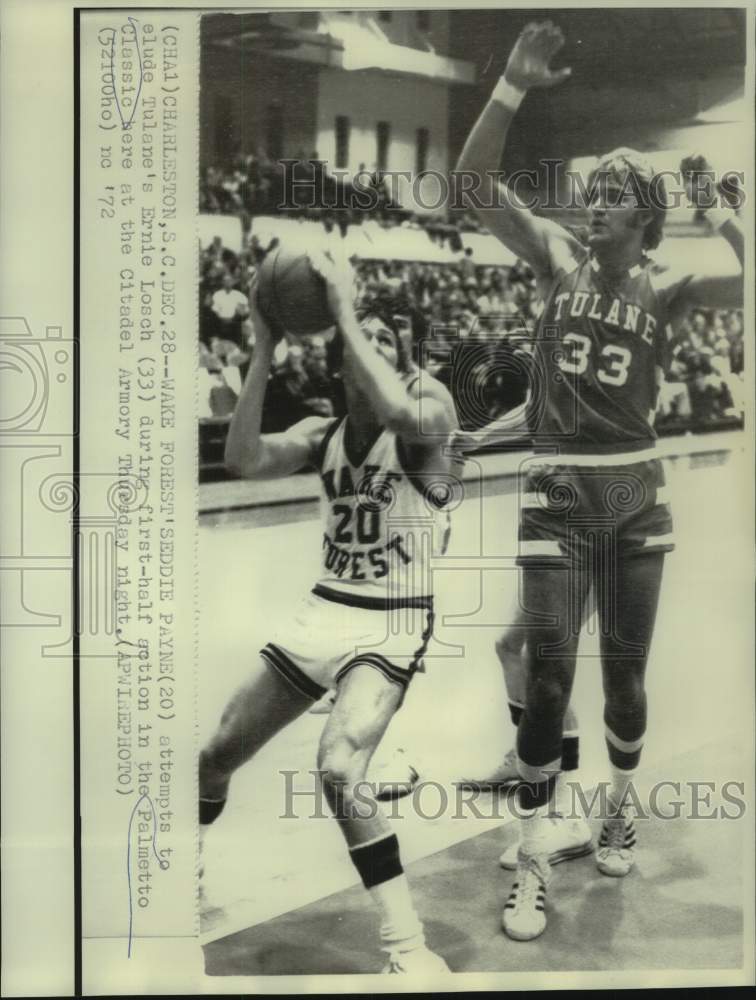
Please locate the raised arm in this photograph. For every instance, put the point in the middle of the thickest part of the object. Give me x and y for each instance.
(542, 243)
(251, 454)
(716, 289)
(418, 419)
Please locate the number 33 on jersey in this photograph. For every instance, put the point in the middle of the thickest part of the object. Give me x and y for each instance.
(600, 347)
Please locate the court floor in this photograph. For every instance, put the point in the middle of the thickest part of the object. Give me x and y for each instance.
(278, 890)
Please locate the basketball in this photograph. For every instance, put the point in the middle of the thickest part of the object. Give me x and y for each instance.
(290, 294)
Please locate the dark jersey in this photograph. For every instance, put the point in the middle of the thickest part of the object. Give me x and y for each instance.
(600, 347)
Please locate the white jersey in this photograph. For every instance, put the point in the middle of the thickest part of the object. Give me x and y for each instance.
(381, 527)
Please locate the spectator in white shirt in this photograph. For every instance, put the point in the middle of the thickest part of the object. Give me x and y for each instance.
(228, 301)
(230, 307)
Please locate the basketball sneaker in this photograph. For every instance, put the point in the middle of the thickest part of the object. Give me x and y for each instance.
(566, 839)
(392, 775)
(524, 916)
(418, 962)
(504, 776)
(616, 847)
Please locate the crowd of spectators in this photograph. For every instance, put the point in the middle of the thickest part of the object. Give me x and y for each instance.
(253, 184)
(704, 384)
(464, 318)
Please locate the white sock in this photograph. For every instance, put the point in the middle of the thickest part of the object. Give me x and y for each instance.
(401, 929)
(620, 781)
(566, 799)
(534, 831)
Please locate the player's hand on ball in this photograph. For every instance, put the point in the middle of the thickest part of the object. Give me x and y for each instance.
(339, 281)
(698, 177)
(528, 64)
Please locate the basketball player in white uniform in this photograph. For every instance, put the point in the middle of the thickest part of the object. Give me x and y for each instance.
(365, 625)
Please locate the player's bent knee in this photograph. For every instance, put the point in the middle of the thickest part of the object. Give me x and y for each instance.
(341, 768)
(625, 692)
(345, 791)
(337, 766)
(625, 707)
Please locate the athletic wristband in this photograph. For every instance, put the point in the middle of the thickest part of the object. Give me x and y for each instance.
(716, 217)
(507, 95)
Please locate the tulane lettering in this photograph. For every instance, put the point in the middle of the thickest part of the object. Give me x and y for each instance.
(616, 312)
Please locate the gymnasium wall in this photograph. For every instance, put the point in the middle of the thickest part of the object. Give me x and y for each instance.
(367, 97)
(238, 96)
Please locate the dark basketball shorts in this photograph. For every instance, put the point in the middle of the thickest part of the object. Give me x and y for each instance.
(582, 513)
(331, 633)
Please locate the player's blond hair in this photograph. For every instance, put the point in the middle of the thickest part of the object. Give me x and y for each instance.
(625, 164)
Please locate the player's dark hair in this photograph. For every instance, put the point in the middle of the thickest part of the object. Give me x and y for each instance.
(394, 312)
(635, 173)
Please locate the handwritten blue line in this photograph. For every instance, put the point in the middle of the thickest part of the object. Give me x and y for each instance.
(125, 123)
(139, 57)
(162, 864)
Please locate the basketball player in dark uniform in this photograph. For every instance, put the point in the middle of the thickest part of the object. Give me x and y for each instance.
(568, 835)
(594, 509)
(364, 627)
